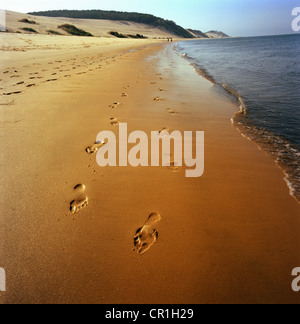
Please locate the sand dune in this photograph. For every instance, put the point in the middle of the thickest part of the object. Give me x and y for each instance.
(99, 28)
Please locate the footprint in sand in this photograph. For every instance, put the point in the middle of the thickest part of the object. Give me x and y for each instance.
(147, 235)
(114, 122)
(81, 202)
(124, 95)
(11, 93)
(94, 148)
(157, 99)
(114, 105)
(30, 85)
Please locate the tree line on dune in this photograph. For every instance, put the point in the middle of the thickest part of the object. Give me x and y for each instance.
(168, 25)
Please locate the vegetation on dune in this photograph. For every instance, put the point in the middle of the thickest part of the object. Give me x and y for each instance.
(168, 25)
(53, 32)
(29, 30)
(116, 34)
(137, 36)
(72, 30)
(27, 21)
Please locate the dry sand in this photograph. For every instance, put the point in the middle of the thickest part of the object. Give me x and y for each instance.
(231, 236)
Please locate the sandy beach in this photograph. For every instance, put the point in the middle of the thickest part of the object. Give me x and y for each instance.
(230, 236)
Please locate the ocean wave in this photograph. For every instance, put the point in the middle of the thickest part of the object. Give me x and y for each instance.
(285, 154)
(201, 71)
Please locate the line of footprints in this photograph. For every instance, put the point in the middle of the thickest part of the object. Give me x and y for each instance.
(54, 75)
(145, 236)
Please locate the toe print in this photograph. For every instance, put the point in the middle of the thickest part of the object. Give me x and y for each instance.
(77, 205)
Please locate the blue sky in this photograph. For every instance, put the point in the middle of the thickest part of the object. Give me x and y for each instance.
(234, 17)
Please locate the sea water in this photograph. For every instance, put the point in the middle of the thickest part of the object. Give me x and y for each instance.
(262, 75)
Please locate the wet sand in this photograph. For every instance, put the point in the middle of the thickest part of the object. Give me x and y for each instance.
(231, 236)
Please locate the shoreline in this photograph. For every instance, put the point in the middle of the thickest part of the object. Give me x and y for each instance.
(237, 220)
(280, 152)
